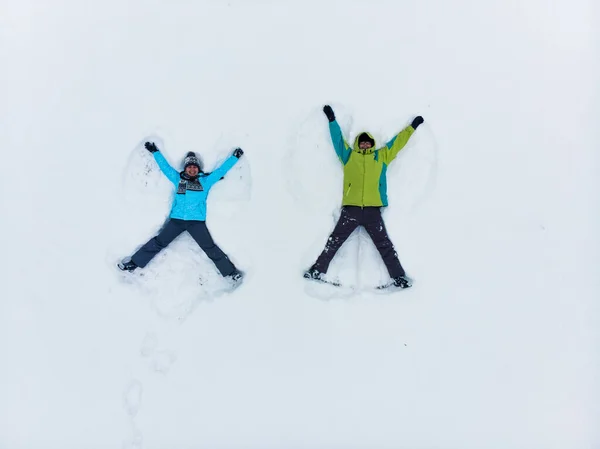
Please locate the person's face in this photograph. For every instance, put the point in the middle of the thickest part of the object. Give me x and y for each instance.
(191, 170)
(364, 145)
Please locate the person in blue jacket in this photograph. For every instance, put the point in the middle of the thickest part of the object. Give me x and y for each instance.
(188, 212)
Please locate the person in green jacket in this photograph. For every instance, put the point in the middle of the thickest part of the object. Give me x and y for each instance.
(365, 192)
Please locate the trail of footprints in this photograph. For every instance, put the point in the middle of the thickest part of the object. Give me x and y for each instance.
(159, 361)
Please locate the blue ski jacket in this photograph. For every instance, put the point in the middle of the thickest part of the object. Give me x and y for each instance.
(191, 205)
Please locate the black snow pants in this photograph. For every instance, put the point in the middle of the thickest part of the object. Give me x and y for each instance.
(199, 233)
(370, 218)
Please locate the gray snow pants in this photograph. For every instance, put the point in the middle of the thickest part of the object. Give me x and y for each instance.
(199, 233)
(370, 218)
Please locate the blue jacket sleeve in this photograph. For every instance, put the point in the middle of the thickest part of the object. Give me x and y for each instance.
(171, 174)
(216, 175)
(341, 147)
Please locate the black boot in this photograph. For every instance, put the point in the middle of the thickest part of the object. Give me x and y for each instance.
(236, 276)
(313, 273)
(127, 266)
(402, 281)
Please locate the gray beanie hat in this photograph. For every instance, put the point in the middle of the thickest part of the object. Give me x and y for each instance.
(191, 159)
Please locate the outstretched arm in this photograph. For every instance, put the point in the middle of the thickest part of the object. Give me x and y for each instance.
(217, 174)
(340, 145)
(171, 174)
(393, 147)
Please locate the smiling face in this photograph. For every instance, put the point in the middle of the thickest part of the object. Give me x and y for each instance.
(364, 141)
(365, 145)
(191, 170)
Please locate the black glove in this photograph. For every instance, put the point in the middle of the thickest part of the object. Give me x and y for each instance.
(417, 121)
(238, 152)
(150, 146)
(329, 112)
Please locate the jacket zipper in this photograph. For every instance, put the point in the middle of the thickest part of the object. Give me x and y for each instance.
(364, 180)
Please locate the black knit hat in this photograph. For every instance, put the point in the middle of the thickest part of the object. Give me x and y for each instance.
(191, 159)
(364, 137)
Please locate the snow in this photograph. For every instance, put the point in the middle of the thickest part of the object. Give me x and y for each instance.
(493, 210)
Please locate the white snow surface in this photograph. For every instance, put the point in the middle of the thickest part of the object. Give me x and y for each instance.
(493, 210)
